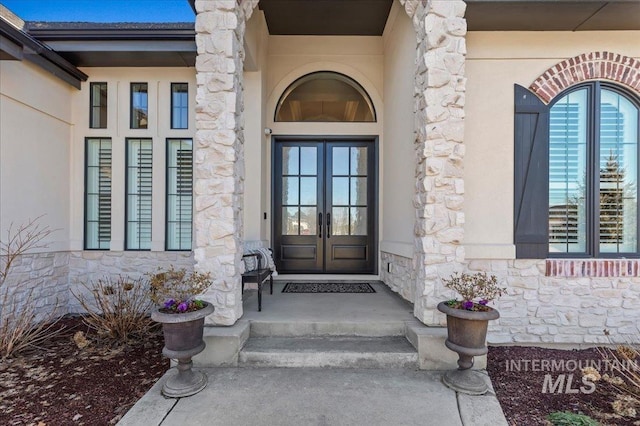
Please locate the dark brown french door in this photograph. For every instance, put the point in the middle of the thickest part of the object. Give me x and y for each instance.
(325, 205)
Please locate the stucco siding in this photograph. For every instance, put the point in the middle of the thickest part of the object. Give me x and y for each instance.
(495, 62)
(35, 150)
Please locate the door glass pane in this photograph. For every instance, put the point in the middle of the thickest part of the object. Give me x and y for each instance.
(290, 190)
(358, 191)
(290, 222)
(618, 173)
(308, 220)
(309, 160)
(358, 220)
(567, 173)
(340, 196)
(359, 161)
(340, 161)
(290, 160)
(340, 221)
(308, 190)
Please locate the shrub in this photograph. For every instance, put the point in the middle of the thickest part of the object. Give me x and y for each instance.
(566, 418)
(117, 309)
(174, 289)
(476, 290)
(624, 364)
(20, 325)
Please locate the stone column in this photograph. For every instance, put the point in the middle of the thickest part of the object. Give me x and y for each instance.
(218, 152)
(439, 113)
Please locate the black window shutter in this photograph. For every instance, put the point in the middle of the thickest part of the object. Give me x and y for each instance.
(531, 170)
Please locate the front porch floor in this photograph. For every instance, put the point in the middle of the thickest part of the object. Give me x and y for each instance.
(382, 313)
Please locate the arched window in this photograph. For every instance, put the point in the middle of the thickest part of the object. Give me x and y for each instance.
(593, 171)
(581, 153)
(325, 97)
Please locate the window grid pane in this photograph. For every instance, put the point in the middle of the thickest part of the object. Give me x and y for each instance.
(349, 191)
(139, 106)
(618, 174)
(179, 194)
(299, 190)
(98, 194)
(98, 106)
(567, 174)
(139, 186)
(179, 105)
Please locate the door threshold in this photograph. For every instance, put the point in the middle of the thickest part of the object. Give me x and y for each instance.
(326, 277)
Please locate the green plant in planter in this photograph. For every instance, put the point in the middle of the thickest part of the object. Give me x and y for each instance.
(477, 290)
(175, 290)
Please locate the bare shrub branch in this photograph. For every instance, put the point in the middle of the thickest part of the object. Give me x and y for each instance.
(117, 309)
(20, 325)
(624, 364)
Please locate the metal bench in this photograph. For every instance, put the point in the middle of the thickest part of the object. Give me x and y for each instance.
(258, 276)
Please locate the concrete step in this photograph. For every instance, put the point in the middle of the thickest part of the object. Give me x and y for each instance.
(309, 328)
(329, 351)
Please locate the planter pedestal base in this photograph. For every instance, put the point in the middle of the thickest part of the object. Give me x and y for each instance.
(466, 381)
(186, 382)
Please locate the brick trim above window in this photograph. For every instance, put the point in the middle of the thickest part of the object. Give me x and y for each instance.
(592, 268)
(588, 66)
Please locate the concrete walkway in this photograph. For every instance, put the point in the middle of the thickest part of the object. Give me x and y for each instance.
(303, 396)
(269, 396)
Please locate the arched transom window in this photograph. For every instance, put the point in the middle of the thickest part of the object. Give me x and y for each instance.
(325, 97)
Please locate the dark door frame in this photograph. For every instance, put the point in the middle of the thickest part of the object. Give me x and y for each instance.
(374, 140)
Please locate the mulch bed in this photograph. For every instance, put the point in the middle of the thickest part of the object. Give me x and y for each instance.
(521, 393)
(60, 384)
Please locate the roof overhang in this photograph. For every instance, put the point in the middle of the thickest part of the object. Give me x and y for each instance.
(16, 44)
(120, 45)
(552, 15)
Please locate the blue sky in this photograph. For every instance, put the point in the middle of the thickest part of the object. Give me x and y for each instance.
(102, 10)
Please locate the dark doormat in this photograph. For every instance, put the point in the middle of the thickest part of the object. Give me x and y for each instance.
(328, 288)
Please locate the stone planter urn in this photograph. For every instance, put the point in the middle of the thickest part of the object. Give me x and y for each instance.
(467, 334)
(182, 340)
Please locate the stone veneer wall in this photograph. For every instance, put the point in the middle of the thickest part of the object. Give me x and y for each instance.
(401, 278)
(89, 266)
(51, 277)
(560, 309)
(219, 151)
(42, 279)
(439, 115)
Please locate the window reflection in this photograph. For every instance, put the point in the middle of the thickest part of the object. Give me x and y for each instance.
(325, 97)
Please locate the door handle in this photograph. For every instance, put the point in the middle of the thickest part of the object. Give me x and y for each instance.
(320, 225)
(328, 225)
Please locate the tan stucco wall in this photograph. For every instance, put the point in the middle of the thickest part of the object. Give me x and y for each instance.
(35, 149)
(495, 62)
(159, 129)
(398, 158)
(255, 141)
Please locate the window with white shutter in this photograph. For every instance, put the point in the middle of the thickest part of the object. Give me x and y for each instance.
(97, 235)
(138, 194)
(179, 194)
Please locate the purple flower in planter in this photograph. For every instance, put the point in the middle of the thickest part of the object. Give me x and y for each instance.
(483, 302)
(182, 307)
(467, 304)
(169, 303)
